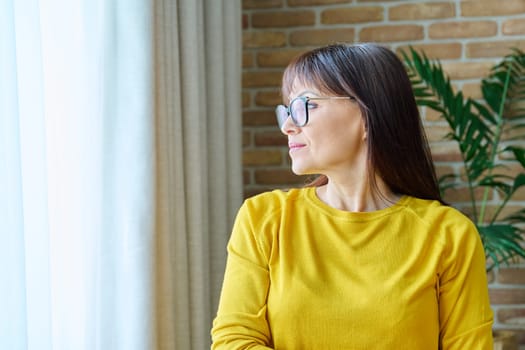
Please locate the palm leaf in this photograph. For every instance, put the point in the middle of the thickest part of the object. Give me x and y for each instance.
(498, 182)
(501, 242)
(517, 217)
(519, 154)
(468, 128)
(478, 128)
(504, 88)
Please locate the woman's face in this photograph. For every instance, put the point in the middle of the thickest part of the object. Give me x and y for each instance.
(333, 140)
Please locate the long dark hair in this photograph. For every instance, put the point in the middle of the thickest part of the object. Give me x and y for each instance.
(398, 150)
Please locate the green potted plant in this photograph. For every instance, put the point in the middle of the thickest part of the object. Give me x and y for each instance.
(488, 134)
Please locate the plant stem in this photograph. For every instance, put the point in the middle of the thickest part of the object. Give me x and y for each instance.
(500, 208)
(470, 187)
(494, 150)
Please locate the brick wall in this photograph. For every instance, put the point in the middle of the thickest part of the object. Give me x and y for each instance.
(467, 36)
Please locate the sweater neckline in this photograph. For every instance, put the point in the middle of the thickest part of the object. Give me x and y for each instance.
(312, 197)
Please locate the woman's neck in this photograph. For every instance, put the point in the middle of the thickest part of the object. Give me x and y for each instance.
(357, 196)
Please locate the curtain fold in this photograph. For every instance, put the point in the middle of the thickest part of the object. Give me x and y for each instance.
(24, 246)
(199, 161)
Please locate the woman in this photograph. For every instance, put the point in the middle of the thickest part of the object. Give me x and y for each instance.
(368, 256)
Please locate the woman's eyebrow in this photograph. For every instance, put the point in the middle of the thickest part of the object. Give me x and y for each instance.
(303, 94)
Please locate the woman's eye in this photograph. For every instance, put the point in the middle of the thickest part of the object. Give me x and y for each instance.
(311, 105)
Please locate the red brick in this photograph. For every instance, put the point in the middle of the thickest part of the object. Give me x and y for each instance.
(261, 79)
(502, 296)
(246, 138)
(246, 177)
(467, 70)
(443, 169)
(510, 168)
(321, 36)
(493, 48)
(446, 30)
(437, 132)
(245, 21)
(431, 10)
(464, 208)
(268, 98)
(520, 336)
(432, 115)
(435, 51)
(352, 15)
(513, 26)
(250, 191)
(514, 275)
(462, 194)
(283, 19)
(262, 157)
(263, 39)
(515, 112)
(271, 138)
(277, 58)
(315, 2)
(258, 4)
(259, 118)
(511, 316)
(508, 210)
(472, 90)
(391, 33)
(505, 339)
(246, 99)
(247, 59)
(445, 151)
(490, 276)
(277, 177)
(472, 8)
(519, 195)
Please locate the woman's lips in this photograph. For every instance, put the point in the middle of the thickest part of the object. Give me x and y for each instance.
(295, 146)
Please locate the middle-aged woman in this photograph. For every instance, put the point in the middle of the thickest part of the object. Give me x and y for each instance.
(367, 256)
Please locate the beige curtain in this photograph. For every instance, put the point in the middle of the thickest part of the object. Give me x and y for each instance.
(199, 186)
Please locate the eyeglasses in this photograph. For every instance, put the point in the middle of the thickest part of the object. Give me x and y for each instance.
(299, 107)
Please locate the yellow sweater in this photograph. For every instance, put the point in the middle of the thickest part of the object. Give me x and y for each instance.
(303, 275)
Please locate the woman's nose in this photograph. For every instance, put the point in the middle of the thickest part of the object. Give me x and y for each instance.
(288, 127)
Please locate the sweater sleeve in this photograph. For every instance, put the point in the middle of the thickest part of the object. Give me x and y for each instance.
(464, 308)
(241, 321)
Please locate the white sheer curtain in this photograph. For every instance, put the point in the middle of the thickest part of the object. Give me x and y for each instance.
(77, 175)
(112, 230)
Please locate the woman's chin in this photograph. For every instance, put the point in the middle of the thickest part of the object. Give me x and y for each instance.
(299, 169)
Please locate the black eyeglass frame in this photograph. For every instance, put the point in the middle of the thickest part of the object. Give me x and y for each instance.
(305, 99)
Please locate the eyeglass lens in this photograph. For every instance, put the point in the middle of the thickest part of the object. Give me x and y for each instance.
(282, 114)
(298, 112)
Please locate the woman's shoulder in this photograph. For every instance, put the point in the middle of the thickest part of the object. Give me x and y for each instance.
(274, 200)
(448, 222)
(262, 214)
(432, 210)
